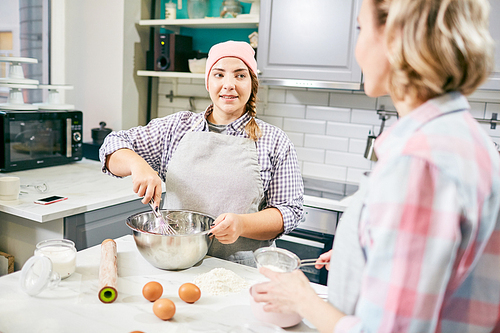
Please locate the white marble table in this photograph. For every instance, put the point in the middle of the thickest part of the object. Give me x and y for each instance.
(74, 307)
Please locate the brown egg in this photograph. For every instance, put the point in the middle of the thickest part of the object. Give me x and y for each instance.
(152, 291)
(189, 292)
(164, 308)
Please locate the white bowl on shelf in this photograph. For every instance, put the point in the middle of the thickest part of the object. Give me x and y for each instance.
(197, 65)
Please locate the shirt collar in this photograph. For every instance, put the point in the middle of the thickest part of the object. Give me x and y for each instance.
(236, 126)
(406, 126)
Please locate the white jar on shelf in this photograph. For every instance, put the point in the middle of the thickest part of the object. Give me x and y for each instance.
(170, 10)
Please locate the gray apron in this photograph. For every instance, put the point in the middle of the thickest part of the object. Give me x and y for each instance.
(347, 261)
(213, 173)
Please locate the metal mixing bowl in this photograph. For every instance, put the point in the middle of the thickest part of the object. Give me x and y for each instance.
(180, 251)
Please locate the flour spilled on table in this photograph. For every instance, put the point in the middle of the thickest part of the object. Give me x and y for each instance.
(220, 281)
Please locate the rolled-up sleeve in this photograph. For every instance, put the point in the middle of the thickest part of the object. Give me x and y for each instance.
(148, 141)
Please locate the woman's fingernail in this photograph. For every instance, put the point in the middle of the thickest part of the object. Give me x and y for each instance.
(209, 234)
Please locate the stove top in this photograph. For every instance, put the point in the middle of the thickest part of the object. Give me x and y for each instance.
(336, 190)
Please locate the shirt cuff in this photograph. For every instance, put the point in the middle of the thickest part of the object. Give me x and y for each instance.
(288, 218)
(347, 324)
(108, 149)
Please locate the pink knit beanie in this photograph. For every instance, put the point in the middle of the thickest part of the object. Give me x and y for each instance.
(240, 50)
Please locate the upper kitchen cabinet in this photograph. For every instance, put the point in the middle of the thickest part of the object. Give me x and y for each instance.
(494, 81)
(309, 43)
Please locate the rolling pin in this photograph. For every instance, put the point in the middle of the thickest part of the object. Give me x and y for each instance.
(108, 272)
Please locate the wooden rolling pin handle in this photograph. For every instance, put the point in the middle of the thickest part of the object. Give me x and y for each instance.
(108, 272)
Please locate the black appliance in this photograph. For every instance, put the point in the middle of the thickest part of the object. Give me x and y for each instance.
(34, 139)
(307, 244)
(315, 233)
(171, 52)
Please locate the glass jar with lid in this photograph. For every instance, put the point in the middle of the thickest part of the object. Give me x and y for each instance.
(198, 9)
(230, 8)
(62, 254)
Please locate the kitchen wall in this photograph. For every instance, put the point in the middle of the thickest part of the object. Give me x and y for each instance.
(328, 128)
(97, 48)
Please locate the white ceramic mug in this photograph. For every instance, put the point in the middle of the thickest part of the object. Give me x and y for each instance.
(9, 188)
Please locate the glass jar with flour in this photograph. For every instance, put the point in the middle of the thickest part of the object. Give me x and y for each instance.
(61, 252)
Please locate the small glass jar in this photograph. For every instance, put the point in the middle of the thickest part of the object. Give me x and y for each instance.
(230, 8)
(170, 11)
(62, 254)
(197, 9)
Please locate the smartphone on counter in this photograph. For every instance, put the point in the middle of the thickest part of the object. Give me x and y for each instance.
(49, 200)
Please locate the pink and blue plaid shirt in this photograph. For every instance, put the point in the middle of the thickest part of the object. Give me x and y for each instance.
(429, 228)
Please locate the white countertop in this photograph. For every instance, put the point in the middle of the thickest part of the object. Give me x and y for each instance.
(86, 187)
(325, 203)
(73, 306)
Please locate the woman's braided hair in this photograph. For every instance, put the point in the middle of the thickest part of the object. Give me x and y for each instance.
(252, 129)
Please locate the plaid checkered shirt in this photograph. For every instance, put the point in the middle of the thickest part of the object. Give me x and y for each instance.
(429, 228)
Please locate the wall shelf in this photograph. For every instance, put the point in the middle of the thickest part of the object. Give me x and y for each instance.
(206, 23)
(171, 74)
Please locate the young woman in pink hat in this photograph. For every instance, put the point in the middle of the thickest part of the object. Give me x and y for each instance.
(222, 162)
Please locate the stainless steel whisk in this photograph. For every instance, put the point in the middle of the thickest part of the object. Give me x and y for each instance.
(163, 227)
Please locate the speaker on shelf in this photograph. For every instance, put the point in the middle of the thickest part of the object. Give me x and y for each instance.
(171, 52)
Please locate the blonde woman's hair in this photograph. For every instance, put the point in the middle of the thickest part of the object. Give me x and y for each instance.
(251, 128)
(436, 46)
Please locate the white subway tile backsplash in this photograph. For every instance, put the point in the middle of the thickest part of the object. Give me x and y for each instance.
(492, 108)
(348, 130)
(477, 109)
(326, 142)
(310, 154)
(276, 95)
(385, 103)
(357, 101)
(296, 138)
(354, 174)
(305, 126)
(347, 159)
(164, 87)
(198, 81)
(184, 80)
(328, 113)
(357, 146)
(192, 90)
(276, 121)
(163, 111)
(329, 172)
(491, 132)
(370, 117)
(485, 96)
(285, 110)
(328, 128)
(307, 97)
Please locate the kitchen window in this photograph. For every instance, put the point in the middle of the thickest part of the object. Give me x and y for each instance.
(24, 32)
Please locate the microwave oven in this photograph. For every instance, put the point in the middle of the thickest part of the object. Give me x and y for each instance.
(35, 139)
